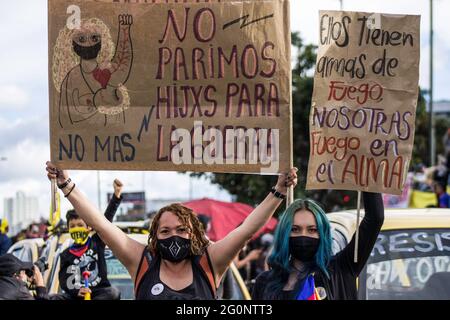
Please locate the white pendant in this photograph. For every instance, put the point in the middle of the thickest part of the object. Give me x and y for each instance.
(157, 289)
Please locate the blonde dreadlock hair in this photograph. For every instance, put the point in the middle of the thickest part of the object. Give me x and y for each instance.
(188, 218)
(64, 57)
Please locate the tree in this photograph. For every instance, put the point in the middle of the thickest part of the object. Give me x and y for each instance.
(252, 189)
(421, 152)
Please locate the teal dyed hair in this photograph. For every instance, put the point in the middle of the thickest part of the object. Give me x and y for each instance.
(279, 259)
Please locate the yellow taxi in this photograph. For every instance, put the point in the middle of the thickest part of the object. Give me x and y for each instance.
(410, 259)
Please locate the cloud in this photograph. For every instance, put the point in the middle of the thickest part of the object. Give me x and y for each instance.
(25, 160)
(440, 21)
(32, 129)
(12, 96)
(23, 58)
(157, 185)
(305, 18)
(24, 170)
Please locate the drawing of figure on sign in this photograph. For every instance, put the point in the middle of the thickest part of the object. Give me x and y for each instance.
(90, 73)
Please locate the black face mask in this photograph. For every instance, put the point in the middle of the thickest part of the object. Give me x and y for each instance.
(303, 248)
(174, 249)
(87, 53)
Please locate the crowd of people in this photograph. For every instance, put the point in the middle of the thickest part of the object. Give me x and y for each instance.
(180, 262)
(426, 187)
(84, 258)
(441, 175)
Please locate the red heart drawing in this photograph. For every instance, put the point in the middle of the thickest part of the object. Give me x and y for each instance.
(102, 76)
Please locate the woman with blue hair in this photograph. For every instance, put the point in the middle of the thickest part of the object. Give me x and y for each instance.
(301, 265)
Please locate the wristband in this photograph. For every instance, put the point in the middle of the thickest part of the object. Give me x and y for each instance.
(66, 195)
(278, 194)
(65, 184)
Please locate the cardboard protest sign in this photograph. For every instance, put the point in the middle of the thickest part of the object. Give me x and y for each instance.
(170, 85)
(364, 101)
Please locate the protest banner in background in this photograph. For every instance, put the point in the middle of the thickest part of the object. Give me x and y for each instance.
(364, 101)
(173, 85)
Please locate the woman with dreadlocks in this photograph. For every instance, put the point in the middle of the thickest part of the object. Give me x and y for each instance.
(179, 261)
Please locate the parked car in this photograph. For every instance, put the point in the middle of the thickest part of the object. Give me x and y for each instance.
(410, 259)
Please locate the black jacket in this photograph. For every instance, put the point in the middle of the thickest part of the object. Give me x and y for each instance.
(15, 289)
(5, 243)
(12, 288)
(342, 270)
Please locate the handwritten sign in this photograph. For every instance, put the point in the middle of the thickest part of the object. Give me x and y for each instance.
(407, 259)
(364, 101)
(395, 244)
(170, 85)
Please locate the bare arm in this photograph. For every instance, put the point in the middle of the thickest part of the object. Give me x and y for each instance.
(223, 252)
(253, 255)
(127, 250)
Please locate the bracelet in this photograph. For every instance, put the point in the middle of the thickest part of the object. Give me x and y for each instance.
(66, 195)
(278, 194)
(65, 184)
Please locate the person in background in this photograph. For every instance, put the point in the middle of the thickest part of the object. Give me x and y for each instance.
(252, 260)
(5, 241)
(87, 254)
(446, 142)
(18, 277)
(206, 222)
(443, 198)
(33, 231)
(244, 262)
(21, 235)
(266, 241)
(440, 173)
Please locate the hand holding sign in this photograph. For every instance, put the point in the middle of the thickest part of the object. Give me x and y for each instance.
(287, 180)
(171, 86)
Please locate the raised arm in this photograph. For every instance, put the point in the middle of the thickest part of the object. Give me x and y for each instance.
(251, 256)
(123, 59)
(223, 252)
(368, 232)
(127, 250)
(115, 201)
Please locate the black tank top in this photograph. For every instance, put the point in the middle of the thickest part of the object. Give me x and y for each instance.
(150, 287)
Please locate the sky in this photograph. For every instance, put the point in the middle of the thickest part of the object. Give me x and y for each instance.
(24, 124)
